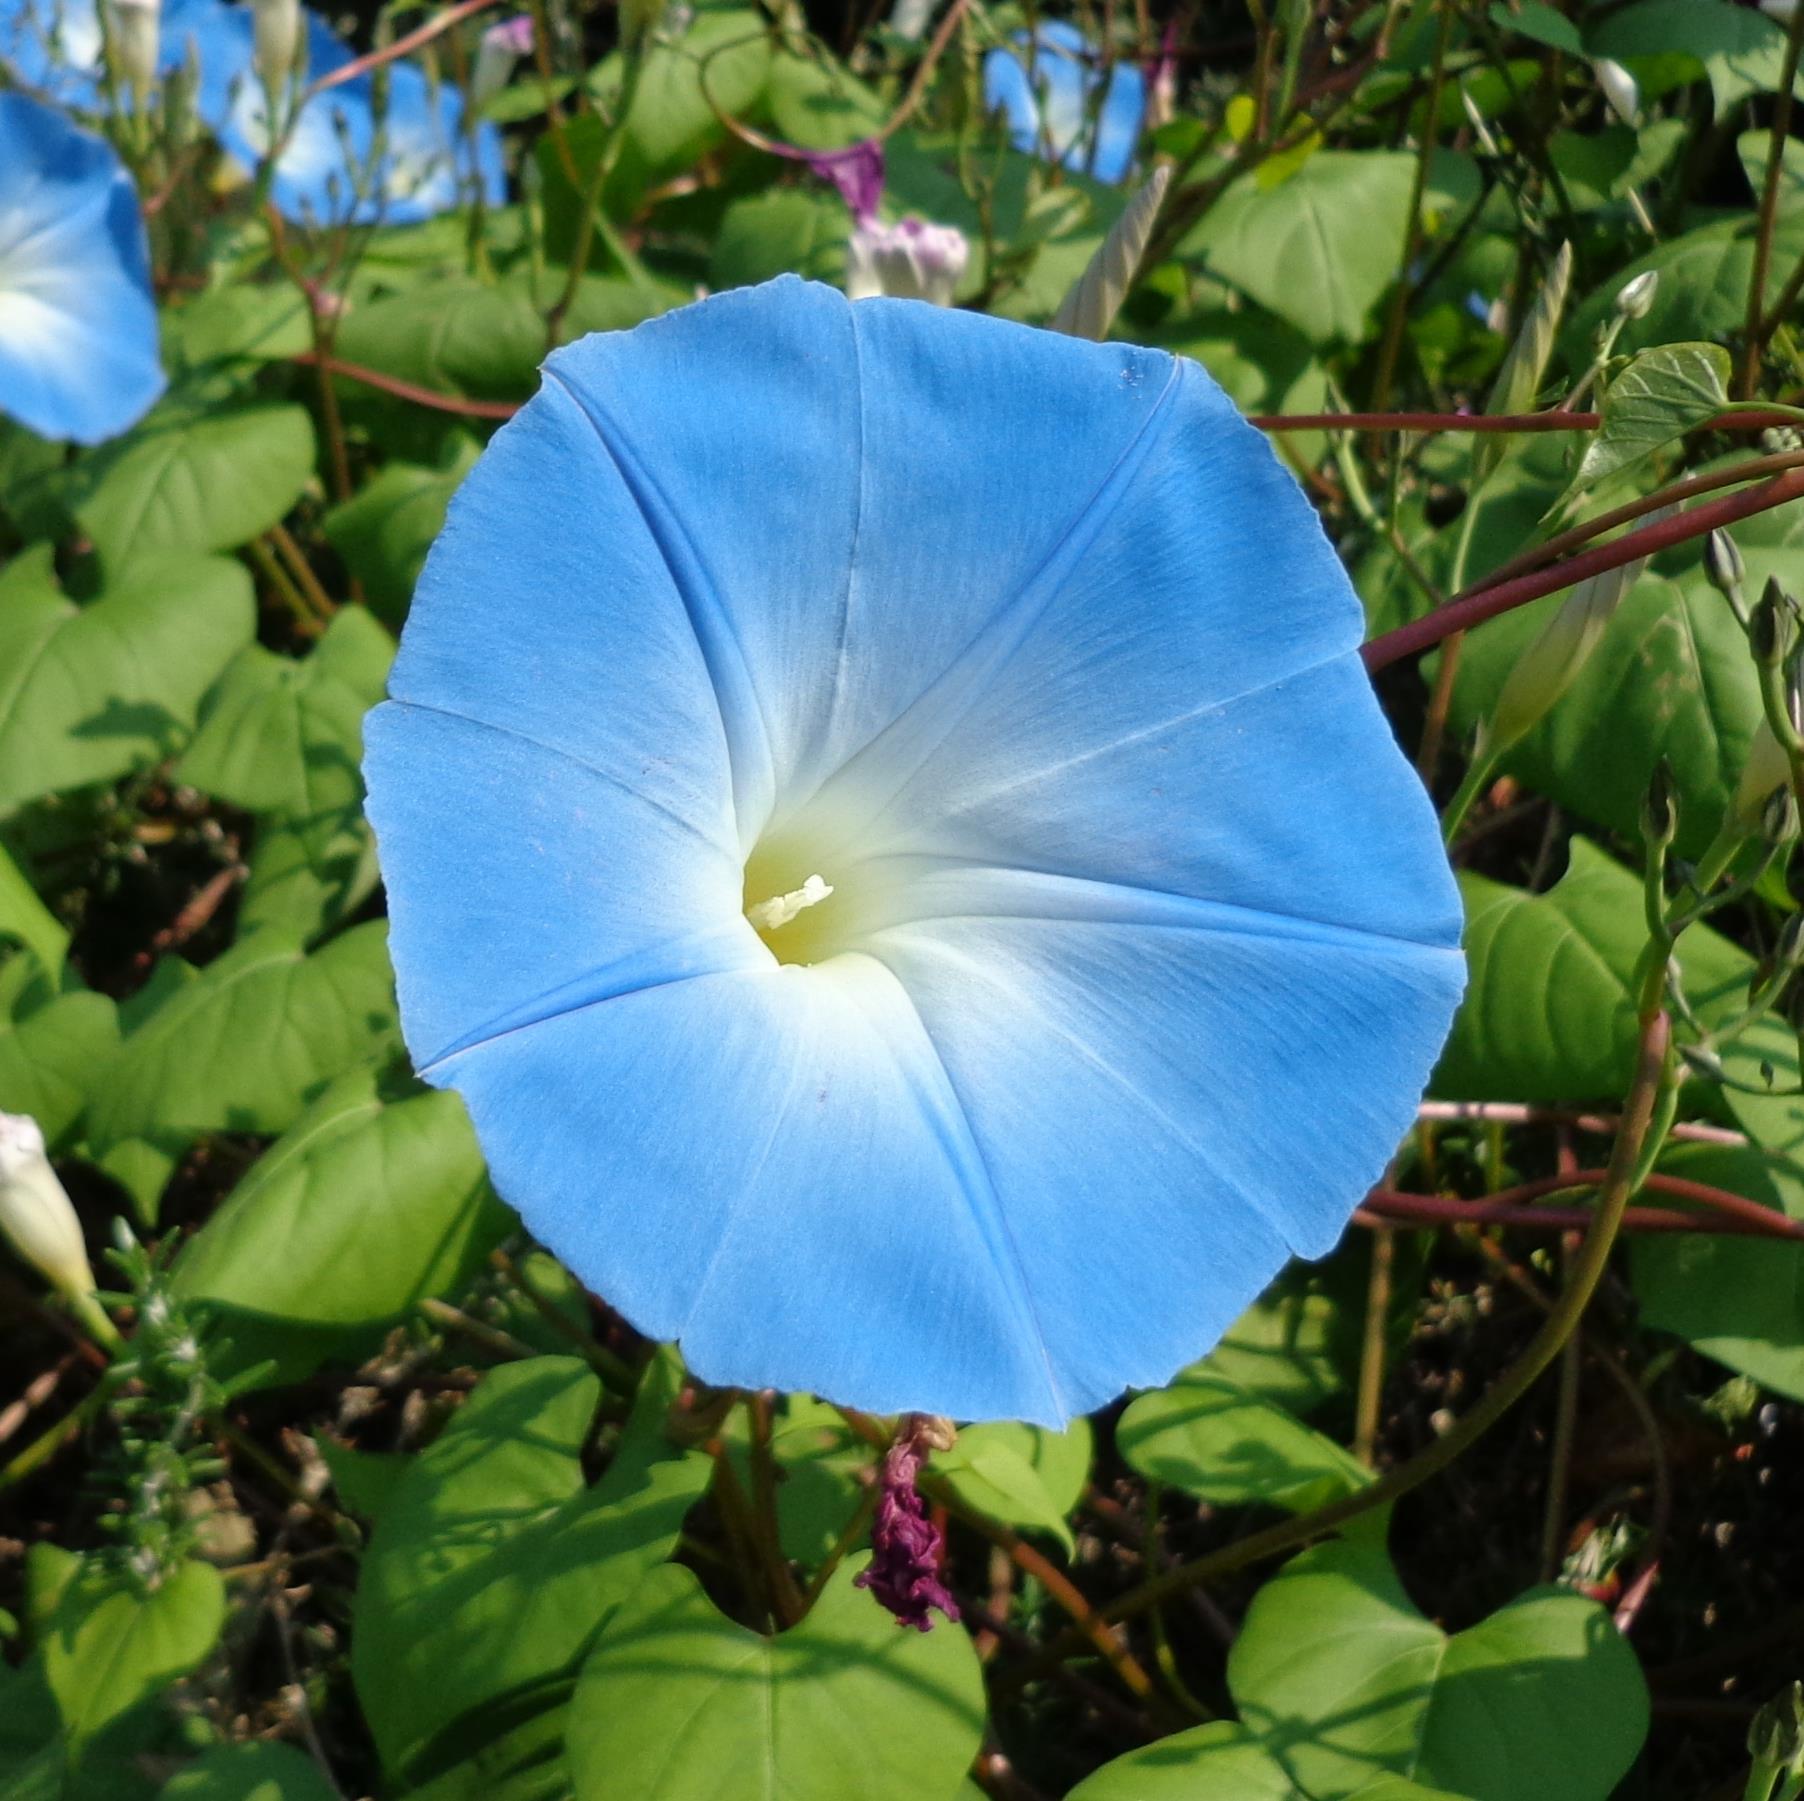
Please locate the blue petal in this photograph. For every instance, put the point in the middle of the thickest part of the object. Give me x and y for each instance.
(431, 164)
(53, 47)
(1141, 942)
(78, 325)
(1045, 90)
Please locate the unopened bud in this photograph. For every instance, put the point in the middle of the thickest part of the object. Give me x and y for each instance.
(500, 50)
(1723, 565)
(1660, 811)
(1789, 951)
(1637, 297)
(1619, 89)
(1519, 379)
(1772, 625)
(910, 261)
(1548, 667)
(1776, 1733)
(36, 1217)
(1782, 10)
(135, 26)
(275, 39)
(1779, 817)
(1703, 1062)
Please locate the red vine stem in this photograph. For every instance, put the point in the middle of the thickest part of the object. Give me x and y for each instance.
(406, 390)
(1552, 420)
(361, 65)
(1477, 606)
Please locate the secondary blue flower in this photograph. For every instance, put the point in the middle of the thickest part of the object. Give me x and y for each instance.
(1047, 89)
(431, 163)
(78, 326)
(53, 47)
(336, 166)
(887, 829)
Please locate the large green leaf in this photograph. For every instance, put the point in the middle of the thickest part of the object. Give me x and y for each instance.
(1662, 394)
(51, 1045)
(108, 1647)
(258, 1771)
(1318, 249)
(251, 1039)
(1739, 1300)
(188, 480)
(1020, 1475)
(479, 339)
(492, 1565)
(844, 1703)
(363, 1208)
(1220, 1760)
(89, 693)
(1738, 48)
(1704, 274)
(1670, 678)
(1212, 1438)
(1344, 1680)
(283, 738)
(26, 921)
(1547, 1014)
(384, 531)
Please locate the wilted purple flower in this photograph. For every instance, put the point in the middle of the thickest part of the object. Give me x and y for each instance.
(500, 48)
(857, 171)
(904, 1571)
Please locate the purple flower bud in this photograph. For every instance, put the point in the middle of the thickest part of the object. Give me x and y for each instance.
(904, 1571)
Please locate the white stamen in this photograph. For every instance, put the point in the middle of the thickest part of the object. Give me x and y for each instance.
(767, 915)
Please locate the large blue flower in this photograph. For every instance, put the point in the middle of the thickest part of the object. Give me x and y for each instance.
(78, 326)
(1046, 90)
(887, 829)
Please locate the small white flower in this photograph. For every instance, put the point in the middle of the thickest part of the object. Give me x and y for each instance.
(36, 1217)
(913, 260)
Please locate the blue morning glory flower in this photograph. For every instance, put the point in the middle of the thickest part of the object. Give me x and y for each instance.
(432, 165)
(1046, 90)
(53, 47)
(78, 325)
(329, 172)
(887, 830)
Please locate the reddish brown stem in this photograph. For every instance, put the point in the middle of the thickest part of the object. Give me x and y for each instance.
(406, 390)
(1477, 606)
(412, 40)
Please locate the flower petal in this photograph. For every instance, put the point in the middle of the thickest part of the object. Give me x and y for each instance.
(774, 1170)
(78, 327)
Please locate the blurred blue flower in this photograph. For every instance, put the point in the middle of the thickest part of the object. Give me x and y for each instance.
(887, 829)
(340, 165)
(53, 47)
(78, 325)
(1047, 90)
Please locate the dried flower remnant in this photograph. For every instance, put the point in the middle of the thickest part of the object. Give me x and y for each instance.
(904, 1571)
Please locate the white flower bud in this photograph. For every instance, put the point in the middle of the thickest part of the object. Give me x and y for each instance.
(275, 39)
(500, 50)
(910, 261)
(36, 1217)
(1619, 89)
(1550, 665)
(1637, 296)
(135, 25)
(1782, 10)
